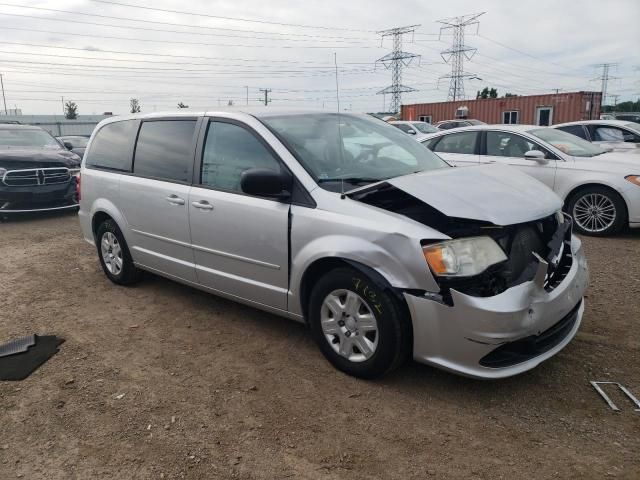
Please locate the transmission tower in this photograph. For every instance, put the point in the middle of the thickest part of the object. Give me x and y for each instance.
(396, 61)
(458, 52)
(604, 78)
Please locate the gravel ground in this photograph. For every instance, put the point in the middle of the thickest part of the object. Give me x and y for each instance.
(213, 389)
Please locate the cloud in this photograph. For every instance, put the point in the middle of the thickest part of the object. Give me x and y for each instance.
(524, 47)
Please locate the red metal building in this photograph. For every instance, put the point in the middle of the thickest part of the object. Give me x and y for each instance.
(533, 109)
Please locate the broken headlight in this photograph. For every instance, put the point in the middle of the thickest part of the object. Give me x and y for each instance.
(463, 257)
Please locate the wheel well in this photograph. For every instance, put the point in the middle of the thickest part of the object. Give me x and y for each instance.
(97, 220)
(590, 185)
(313, 273)
(324, 265)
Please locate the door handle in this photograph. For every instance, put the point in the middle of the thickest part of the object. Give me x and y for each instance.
(202, 205)
(175, 200)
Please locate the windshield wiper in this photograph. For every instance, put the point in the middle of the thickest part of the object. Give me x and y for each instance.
(351, 180)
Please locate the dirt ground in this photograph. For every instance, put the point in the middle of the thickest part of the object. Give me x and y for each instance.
(213, 389)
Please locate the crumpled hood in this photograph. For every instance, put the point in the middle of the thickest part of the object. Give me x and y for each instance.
(14, 158)
(492, 193)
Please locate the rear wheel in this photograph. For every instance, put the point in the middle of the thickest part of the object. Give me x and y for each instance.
(597, 211)
(359, 325)
(114, 254)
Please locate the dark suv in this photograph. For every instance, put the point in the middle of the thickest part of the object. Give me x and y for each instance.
(37, 173)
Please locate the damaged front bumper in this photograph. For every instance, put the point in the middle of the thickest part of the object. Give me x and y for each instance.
(502, 335)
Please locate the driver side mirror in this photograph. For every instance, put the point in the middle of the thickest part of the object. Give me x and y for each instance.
(536, 155)
(68, 145)
(411, 132)
(263, 182)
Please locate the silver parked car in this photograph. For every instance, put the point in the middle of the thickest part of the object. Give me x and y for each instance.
(345, 223)
(600, 189)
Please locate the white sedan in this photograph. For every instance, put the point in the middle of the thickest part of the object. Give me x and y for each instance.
(615, 134)
(601, 189)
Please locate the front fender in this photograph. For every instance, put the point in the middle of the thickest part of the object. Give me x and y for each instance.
(395, 257)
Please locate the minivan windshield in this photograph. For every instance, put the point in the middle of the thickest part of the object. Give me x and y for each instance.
(567, 142)
(26, 138)
(353, 149)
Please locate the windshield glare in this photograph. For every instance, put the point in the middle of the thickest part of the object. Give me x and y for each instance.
(354, 149)
(568, 143)
(424, 127)
(27, 138)
(633, 126)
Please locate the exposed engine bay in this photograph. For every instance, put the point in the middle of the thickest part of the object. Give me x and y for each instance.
(525, 244)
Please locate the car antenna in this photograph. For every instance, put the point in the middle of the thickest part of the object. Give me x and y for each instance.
(341, 146)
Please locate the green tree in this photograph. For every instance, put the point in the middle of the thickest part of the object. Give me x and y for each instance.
(70, 110)
(493, 93)
(182, 105)
(134, 105)
(507, 95)
(484, 93)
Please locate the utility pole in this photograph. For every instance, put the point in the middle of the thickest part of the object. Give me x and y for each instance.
(396, 61)
(62, 98)
(458, 52)
(266, 92)
(615, 100)
(6, 112)
(604, 78)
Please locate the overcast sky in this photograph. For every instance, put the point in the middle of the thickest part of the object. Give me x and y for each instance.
(100, 54)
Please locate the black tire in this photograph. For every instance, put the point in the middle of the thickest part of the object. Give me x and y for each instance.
(617, 202)
(128, 274)
(394, 334)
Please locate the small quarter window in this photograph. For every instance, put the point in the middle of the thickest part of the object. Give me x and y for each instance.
(112, 145)
(165, 150)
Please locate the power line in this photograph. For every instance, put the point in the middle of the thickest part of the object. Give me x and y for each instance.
(458, 52)
(149, 54)
(219, 17)
(395, 61)
(130, 27)
(564, 67)
(155, 22)
(252, 65)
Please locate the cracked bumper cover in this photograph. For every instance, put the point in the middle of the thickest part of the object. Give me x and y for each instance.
(457, 337)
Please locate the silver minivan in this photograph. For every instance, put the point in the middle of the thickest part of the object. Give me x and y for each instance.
(345, 223)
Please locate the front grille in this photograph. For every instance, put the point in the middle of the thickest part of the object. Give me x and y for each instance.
(36, 177)
(527, 348)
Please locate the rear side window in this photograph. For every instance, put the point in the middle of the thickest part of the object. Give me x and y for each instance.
(229, 150)
(112, 146)
(165, 150)
(576, 130)
(463, 142)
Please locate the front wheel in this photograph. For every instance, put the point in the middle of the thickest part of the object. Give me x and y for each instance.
(597, 211)
(359, 325)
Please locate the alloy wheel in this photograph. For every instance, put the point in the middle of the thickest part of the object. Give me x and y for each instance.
(594, 212)
(111, 253)
(349, 325)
